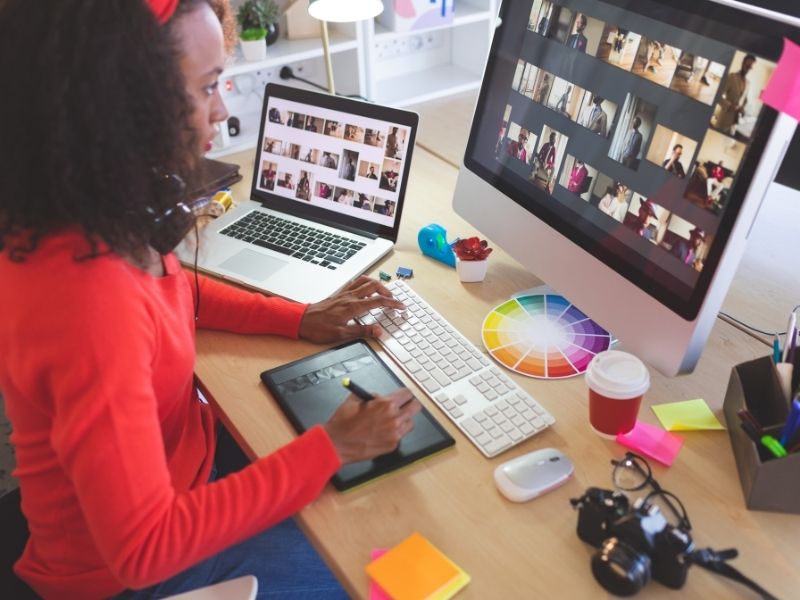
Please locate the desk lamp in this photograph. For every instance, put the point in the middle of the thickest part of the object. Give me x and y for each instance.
(340, 11)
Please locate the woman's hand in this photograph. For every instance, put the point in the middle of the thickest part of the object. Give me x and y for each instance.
(329, 320)
(362, 430)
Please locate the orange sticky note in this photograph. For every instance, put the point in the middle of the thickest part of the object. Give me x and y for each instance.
(416, 570)
(783, 90)
(375, 591)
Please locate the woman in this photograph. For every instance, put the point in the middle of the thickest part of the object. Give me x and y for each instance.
(613, 202)
(114, 451)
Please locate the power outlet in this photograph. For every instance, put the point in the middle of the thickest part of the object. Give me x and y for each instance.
(407, 44)
(303, 68)
(263, 77)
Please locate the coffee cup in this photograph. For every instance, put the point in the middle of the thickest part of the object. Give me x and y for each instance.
(617, 381)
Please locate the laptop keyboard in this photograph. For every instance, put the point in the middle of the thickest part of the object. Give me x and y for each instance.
(307, 243)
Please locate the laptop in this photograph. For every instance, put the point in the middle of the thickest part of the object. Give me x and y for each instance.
(326, 199)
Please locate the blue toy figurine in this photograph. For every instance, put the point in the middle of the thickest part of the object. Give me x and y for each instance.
(432, 241)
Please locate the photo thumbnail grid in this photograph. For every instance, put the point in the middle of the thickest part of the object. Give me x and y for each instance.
(340, 162)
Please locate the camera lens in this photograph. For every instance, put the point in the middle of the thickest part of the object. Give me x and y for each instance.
(619, 568)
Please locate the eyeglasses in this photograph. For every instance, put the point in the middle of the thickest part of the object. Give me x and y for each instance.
(633, 473)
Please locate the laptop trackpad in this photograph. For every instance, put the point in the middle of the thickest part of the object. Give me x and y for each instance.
(252, 265)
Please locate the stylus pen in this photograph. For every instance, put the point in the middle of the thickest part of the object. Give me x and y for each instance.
(773, 445)
(357, 389)
(788, 339)
(776, 349)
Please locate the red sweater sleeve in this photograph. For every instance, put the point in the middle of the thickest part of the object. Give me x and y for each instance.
(229, 308)
(107, 434)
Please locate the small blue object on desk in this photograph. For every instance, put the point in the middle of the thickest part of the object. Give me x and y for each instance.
(404, 272)
(384, 276)
(432, 240)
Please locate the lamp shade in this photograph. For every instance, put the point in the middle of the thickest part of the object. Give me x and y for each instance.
(344, 11)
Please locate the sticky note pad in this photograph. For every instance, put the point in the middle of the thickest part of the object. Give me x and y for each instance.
(689, 415)
(783, 90)
(375, 591)
(416, 570)
(652, 441)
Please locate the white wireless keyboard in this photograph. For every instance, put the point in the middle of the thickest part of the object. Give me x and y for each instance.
(492, 411)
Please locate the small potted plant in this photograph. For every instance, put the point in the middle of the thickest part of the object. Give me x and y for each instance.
(471, 259)
(258, 21)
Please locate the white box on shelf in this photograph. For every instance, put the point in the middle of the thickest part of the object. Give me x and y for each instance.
(410, 15)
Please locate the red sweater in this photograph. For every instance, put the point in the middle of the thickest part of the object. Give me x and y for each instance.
(113, 448)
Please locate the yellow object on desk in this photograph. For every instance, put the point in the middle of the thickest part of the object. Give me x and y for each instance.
(415, 569)
(689, 415)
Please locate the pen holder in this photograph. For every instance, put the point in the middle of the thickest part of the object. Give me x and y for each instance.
(768, 483)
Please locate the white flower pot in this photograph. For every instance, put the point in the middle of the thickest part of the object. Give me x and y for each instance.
(470, 271)
(255, 50)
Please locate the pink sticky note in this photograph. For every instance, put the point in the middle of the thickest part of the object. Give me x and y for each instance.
(652, 441)
(783, 90)
(375, 591)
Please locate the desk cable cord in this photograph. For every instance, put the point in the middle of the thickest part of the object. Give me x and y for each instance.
(288, 73)
(751, 327)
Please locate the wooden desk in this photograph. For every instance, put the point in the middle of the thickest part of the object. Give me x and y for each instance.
(511, 550)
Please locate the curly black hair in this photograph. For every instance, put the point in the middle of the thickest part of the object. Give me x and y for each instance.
(95, 116)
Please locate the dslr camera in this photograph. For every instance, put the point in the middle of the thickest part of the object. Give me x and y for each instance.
(635, 543)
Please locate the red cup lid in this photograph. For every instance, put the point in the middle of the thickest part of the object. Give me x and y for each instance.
(618, 375)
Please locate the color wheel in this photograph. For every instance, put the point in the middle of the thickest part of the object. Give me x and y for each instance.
(543, 336)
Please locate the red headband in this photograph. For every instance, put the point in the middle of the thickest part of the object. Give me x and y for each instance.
(163, 9)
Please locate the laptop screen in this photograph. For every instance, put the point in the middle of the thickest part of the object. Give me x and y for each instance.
(632, 127)
(348, 163)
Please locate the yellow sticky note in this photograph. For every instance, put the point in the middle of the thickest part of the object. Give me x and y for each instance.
(416, 570)
(689, 415)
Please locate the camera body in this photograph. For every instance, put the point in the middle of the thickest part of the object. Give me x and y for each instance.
(636, 543)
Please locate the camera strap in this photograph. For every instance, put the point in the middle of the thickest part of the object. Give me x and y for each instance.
(716, 562)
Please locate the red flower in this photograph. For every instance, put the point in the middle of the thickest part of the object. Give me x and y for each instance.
(472, 249)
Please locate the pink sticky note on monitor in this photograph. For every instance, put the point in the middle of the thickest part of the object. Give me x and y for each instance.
(375, 591)
(783, 90)
(652, 441)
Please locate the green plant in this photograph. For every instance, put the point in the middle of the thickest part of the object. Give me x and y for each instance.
(257, 14)
(253, 34)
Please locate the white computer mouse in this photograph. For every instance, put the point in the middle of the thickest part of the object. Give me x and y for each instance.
(531, 475)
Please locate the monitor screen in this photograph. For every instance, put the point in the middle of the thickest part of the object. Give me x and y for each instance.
(348, 164)
(632, 127)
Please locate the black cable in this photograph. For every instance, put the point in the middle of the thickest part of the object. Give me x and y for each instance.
(748, 326)
(287, 73)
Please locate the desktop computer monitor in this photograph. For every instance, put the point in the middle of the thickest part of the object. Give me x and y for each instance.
(620, 151)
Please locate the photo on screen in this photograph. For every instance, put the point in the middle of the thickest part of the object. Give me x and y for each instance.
(269, 171)
(518, 71)
(577, 177)
(502, 141)
(596, 113)
(354, 133)
(618, 46)
(383, 207)
(304, 185)
(286, 180)
(527, 79)
(396, 142)
(671, 151)
(347, 168)
(334, 129)
(374, 137)
(276, 116)
(559, 23)
(697, 77)
(519, 144)
(647, 219)
(297, 120)
(329, 160)
(540, 16)
(368, 170)
(364, 202)
(636, 123)
(686, 242)
(390, 173)
(542, 83)
(548, 158)
(585, 34)
(323, 190)
(309, 155)
(314, 124)
(611, 197)
(565, 98)
(656, 61)
(740, 103)
(717, 161)
(344, 196)
(292, 151)
(273, 146)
